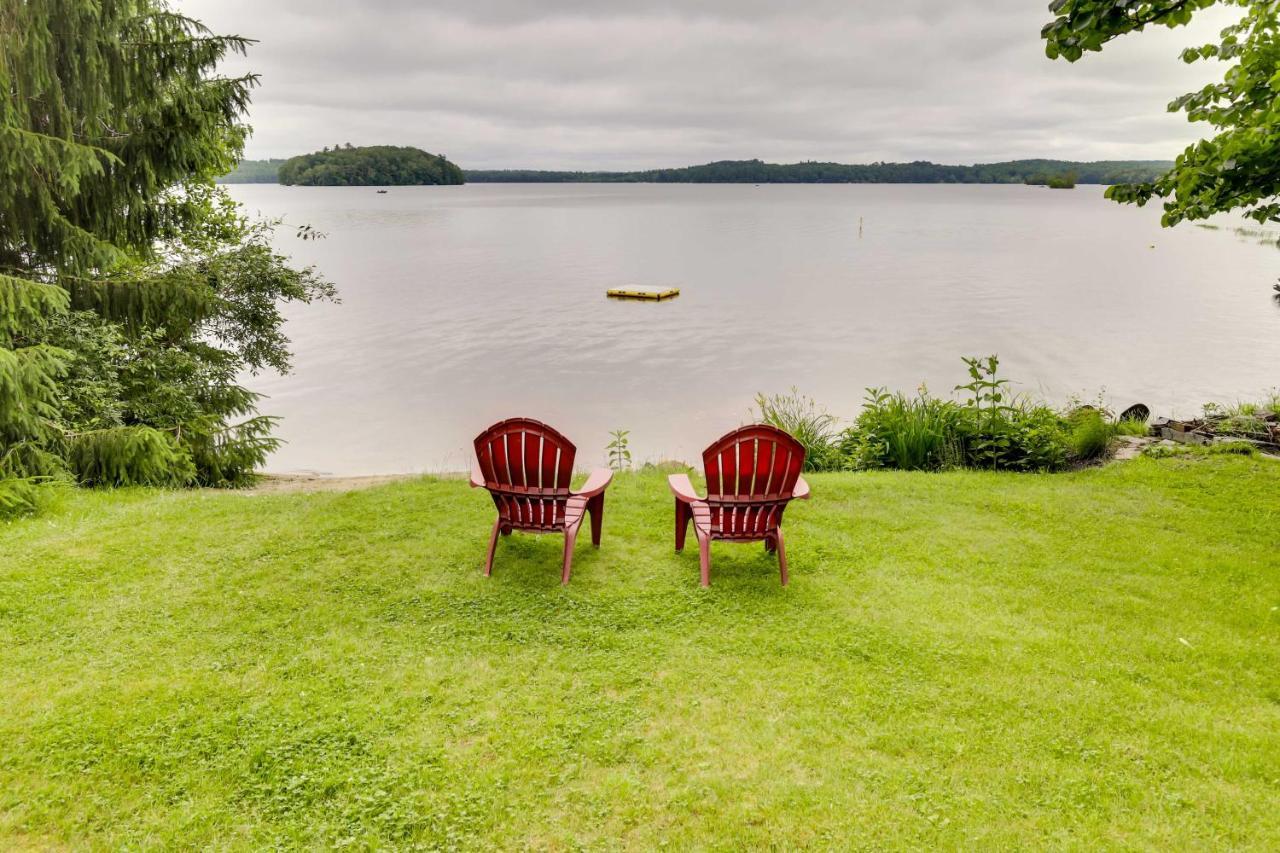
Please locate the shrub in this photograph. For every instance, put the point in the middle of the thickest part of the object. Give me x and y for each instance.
(1240, 448)
(1002, 432)
(1227, 448)
(991, 429)
(1025, 437)
(910, 433)
(1131, 426)
(1244, 420)
(229, 456)
(17, 497)
(1089, 434)
(129, 456)
(1270, 405)
(804, 420)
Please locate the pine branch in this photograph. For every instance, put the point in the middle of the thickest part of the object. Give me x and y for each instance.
(77, 147)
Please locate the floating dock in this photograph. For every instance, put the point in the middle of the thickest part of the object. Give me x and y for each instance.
(650, 295)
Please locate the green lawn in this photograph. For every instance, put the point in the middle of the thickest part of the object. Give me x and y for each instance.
(962, 660)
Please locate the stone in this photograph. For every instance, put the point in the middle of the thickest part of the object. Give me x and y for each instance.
(1131, 446)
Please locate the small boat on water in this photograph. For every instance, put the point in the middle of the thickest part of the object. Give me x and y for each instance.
(382, 192)
(650, 295)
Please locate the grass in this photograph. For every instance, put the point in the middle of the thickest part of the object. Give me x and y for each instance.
(962, 660)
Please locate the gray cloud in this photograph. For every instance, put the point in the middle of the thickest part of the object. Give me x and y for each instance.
(582, 84)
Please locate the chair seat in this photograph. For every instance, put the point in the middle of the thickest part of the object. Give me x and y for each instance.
(548, 517)
(710, 523)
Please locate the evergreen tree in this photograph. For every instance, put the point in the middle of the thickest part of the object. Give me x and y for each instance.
(113, 243)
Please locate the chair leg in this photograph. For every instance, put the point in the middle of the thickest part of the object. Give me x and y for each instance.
(769, 544)
(683, 516)
(570, 536)
(704, 557)
(782, 555)
(595, 509)
(493, 546)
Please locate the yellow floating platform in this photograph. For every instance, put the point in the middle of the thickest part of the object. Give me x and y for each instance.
(651, 295)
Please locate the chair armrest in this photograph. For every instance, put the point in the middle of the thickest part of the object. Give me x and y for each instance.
(596, 483)
(682, 488)
(477, 477)
(801, 491)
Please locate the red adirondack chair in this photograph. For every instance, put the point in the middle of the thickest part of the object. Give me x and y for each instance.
(526, 466)
(752, 473)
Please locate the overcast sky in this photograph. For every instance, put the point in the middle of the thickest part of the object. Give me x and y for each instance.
(576, 84)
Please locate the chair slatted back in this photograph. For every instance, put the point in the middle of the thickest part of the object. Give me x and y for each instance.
(526, 467)
(751, 475)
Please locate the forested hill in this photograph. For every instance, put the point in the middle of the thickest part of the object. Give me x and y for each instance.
(920, 172)
(759, 172)
(376, 165)
(254, 172)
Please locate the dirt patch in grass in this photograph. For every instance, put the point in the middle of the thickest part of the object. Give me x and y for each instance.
(270, 484)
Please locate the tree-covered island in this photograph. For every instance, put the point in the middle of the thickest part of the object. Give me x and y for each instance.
(374, 165)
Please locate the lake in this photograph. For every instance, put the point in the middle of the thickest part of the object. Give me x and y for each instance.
(464, 305)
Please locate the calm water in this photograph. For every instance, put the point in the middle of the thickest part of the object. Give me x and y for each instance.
(463, 305)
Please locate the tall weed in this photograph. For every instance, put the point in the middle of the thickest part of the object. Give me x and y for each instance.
(804, 420)
(1005, 432)
(1089, 434)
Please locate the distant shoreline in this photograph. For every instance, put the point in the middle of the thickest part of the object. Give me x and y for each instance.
(1100, 172)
